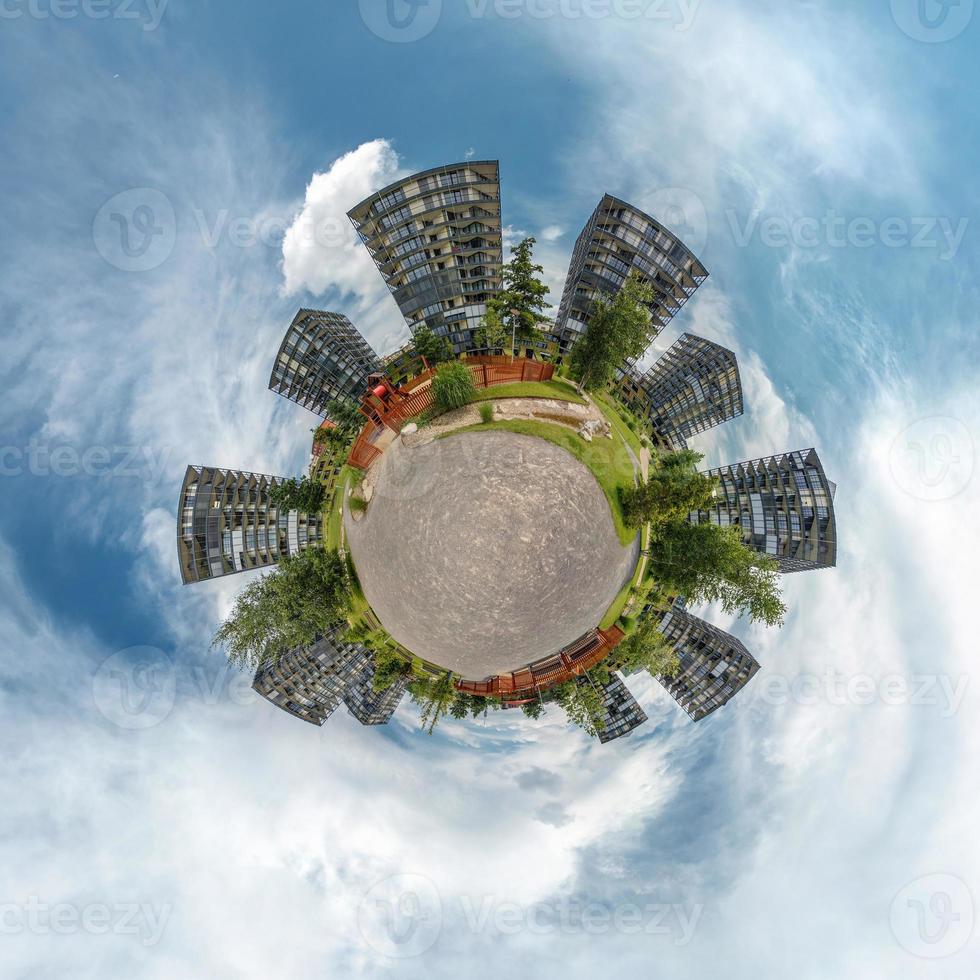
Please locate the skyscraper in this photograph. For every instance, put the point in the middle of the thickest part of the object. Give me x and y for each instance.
(436, 239)
(322, 358)
(784, 506)
(714, 665)
(623, 713)
(618, 239)
(694, 386)
(228, 523)
(309, 682)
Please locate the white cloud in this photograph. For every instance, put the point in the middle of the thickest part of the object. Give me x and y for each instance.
(551, 233)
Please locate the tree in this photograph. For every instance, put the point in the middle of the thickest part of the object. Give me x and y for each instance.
(304, 495)
(618, 330)
(673, 490)
(582, 702)
(533, 709)
(708, 563)
(304, 597)
(452, 386)
(646, 648)
(463, 704)
(434, 697)
(521, 303)
(346, 416)
(435, 350)
(493, 333)
(389, 666)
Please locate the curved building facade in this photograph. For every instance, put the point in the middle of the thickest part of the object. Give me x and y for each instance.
(322, 358)
(436, 240)
(619, 239)
(227, 523)
(784, 506)
(694, 386)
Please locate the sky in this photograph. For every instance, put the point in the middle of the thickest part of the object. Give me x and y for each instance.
(159, 820)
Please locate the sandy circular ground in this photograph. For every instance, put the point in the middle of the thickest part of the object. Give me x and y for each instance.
(485, 551)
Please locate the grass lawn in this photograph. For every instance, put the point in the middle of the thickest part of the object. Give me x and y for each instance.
(335, 510)
(530, 389)
(609, 407)
(606, 458)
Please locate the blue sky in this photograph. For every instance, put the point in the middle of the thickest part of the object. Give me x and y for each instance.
(822, 157)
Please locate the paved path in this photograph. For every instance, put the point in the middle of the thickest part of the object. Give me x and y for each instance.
(485, 551)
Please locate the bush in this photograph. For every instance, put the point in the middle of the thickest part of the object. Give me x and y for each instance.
(486, 412)
(452, 386)
(358, 505)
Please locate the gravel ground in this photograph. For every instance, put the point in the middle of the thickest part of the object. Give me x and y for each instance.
(487, 550)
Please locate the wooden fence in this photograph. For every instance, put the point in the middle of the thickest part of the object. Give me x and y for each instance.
(416, 396)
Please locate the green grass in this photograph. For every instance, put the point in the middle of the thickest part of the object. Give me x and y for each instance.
(618, 605)
(608, 460)
(558, 390)
(610, 408)
(335, 510)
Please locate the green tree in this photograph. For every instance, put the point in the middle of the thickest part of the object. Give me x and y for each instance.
(582, 701)
(434, 697)
(646, 648)
(618, 329)
(389, 666)
(493, 333)
(533, 709)
(305, 596)
(452, 386)
(346, 416)
(673, 489)
(520, 305)
(708, 563)
(463, 705)
(436, 350)
(304, 495)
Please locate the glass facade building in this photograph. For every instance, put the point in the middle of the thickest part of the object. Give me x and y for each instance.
(310, 682)
(714, 665)
(623, 713)
(227, 523)
(436, 240)
(693, 387)
(322, 358)
(619, 239)
(783, 505)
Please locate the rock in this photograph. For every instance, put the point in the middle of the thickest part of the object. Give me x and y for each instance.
(409, 429)
(585, 434)
(367, 492)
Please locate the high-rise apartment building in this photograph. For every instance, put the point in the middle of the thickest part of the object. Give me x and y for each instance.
(310, 682)
(436, 239)
(321, 359)
(714, 665)
(619, 239)
(783, 505)
(623, 713)
(228, 523)
(694, 386)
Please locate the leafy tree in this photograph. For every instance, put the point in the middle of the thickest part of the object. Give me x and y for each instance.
(346, 416)
(434, 697)
(304, 495)
(533, 709)
(305, 596)
(389, 667)
(618, 329)
(434, 349)
(521, 303)
(452, 386)
(646, 648)
(673, 489)
(582, 702)
(708, 563)
(463, 704)
(493, 333)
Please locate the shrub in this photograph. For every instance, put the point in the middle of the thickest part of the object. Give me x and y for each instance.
(452, 386)
(486, 412)
(358, 505)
